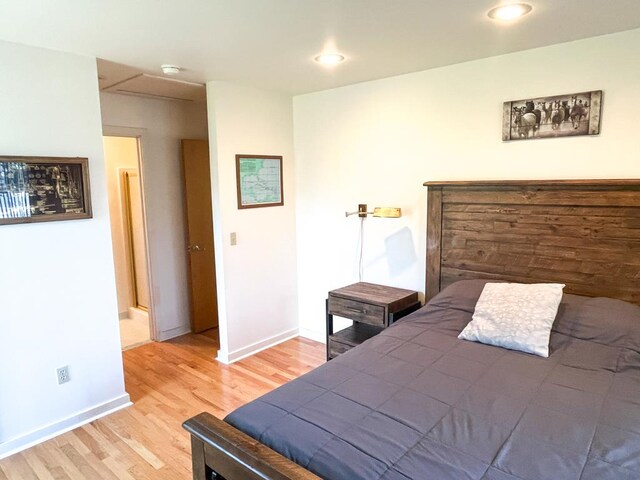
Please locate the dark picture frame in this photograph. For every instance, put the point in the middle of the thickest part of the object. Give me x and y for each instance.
(259, 181)
(571, 114)
(44, 189)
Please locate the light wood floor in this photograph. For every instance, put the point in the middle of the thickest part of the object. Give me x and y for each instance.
(168, 383)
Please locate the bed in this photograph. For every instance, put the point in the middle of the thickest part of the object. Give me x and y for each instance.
(415, 402)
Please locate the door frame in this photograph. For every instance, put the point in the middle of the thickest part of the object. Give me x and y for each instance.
(141, 135)
(125, 178)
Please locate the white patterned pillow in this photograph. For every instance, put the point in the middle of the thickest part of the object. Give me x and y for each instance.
(515, 316)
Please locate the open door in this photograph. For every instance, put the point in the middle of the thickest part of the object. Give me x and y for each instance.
(197, 183)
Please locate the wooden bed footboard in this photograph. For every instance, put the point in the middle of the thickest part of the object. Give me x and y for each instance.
(222, 452)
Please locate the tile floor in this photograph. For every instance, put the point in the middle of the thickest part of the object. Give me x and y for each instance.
(134, 332)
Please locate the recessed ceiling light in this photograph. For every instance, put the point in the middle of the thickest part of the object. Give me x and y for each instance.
(509, 11)
(329, 59)
(170, 69)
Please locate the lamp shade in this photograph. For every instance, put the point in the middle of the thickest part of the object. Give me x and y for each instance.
(387, 212)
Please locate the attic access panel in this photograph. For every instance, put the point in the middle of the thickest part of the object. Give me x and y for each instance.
(154, 86)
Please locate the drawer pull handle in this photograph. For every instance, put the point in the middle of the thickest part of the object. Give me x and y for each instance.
(356, 310)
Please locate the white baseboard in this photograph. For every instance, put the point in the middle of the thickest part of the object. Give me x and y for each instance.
(256, 347)
(313, 335)
(39, 435)
(173, 332)
(223, 356)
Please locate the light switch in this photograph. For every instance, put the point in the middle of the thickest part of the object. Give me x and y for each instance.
(233, 237)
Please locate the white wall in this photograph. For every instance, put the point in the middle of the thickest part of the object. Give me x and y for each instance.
(57, 288)
(120, 153)
(165, 123)
(377, 142)
(257, 297)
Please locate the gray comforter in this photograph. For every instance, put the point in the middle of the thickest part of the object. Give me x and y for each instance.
(417, 403)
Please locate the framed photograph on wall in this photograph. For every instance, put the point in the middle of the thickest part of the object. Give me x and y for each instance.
(43, 189)
(565, 115)
(259, 181)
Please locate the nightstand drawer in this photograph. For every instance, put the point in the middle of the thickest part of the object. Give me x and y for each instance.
(357, 311)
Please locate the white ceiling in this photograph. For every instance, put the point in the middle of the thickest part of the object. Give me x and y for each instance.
(271, 43)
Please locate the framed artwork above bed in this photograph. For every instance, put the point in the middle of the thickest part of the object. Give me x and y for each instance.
(565, 115)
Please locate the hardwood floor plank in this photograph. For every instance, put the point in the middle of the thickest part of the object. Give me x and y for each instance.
(42, 471)
(80, 462)
(60, 459)
(19, 469)
(53, 466)
(168, 383)
(91, 443)
(139, 448)
(118, 469)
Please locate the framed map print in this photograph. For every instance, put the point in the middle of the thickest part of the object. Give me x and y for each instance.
(41, 189)
(259, 180)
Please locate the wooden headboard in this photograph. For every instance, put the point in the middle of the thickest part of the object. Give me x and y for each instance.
(583, 233)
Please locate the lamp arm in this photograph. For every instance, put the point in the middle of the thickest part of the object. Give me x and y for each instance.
(348, 214)
(362, 211)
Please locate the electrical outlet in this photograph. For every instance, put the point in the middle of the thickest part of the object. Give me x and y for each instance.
(233, 238)
(63, 375)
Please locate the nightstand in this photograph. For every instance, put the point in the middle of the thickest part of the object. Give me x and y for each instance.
(371, 307)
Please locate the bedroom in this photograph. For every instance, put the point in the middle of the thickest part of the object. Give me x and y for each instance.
(373, 142)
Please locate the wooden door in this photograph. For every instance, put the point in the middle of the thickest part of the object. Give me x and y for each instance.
(197, 186)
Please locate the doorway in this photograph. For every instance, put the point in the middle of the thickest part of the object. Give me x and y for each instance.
(128, 232)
